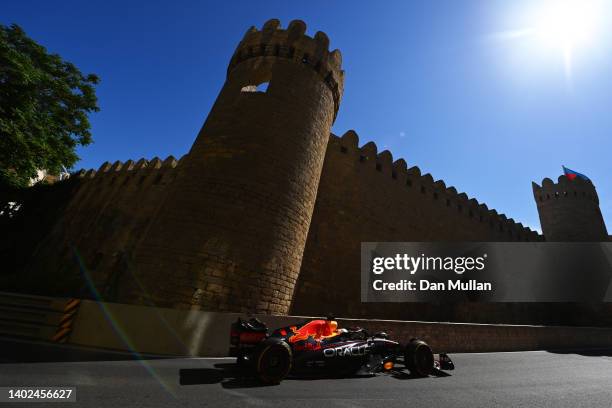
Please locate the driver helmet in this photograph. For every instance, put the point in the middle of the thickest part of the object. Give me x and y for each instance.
(331, 327)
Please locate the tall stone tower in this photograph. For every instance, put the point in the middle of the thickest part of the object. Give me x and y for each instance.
(569, 210)
(231, 232)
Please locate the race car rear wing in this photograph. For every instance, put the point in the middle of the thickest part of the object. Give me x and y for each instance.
(246, 333)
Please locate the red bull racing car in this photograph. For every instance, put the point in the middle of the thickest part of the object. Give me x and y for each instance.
(319, 346)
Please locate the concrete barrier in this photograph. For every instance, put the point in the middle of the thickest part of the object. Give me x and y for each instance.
(153, 330)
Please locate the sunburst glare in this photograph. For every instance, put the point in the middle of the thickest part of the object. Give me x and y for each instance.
(561, 27)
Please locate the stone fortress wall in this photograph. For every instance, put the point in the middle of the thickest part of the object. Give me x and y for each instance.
(102, 221)
(364, 196)
(267, 211)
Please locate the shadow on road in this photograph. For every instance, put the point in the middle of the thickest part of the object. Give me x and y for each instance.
(607, 352)
(228, 375)
(232, 376)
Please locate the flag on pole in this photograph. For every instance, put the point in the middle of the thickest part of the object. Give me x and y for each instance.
(571, 174)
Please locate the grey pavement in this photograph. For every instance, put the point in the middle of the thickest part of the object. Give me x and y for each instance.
(521, 379)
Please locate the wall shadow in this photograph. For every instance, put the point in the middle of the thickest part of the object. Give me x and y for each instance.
(15, 351)
(595, 352)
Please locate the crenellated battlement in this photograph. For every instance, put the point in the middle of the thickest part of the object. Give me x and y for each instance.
(118, 176)
(564, 188)
(129, 166)
(293, 44)
(425, 185)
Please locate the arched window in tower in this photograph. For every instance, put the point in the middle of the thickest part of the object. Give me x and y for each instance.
(257, 82)
(262, 87)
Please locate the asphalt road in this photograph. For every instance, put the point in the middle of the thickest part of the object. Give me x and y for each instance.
(522, 379)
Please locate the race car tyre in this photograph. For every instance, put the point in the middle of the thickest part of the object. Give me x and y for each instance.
(419, 358)
(273, 361)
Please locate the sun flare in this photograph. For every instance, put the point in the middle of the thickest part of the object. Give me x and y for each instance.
(566, 24)
(563, 29)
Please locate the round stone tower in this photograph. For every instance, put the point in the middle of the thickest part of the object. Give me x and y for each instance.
(569, 210)
(231, 233)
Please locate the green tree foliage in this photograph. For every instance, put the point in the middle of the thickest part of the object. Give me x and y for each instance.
(44, 103)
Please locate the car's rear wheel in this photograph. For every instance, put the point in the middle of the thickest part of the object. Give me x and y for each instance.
(419, 358)
(273, 361)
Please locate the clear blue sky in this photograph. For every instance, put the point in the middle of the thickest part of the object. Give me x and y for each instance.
(460, 88)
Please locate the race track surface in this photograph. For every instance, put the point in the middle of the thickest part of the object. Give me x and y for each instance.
(521, 379)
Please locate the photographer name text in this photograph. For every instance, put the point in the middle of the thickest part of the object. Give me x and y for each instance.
(426, 285)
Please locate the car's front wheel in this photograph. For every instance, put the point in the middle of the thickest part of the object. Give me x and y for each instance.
(273, 361)
(419, 358)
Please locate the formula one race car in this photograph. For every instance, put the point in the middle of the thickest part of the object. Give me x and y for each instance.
(319, 346)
